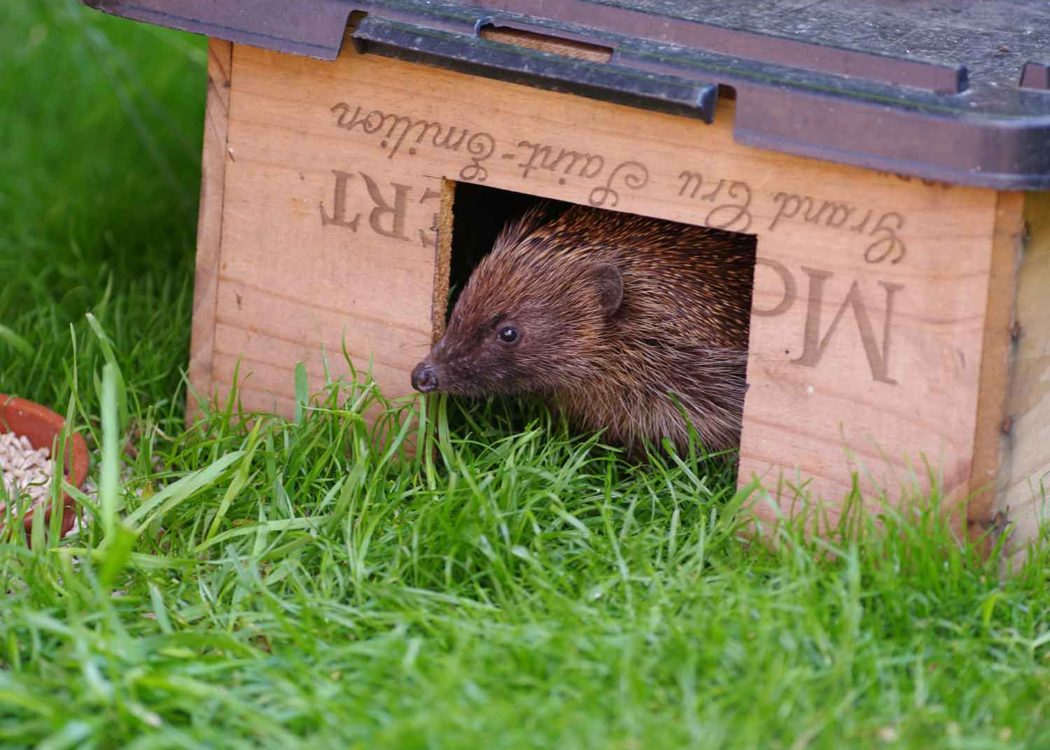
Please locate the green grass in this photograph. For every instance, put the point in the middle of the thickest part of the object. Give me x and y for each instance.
(291, 583)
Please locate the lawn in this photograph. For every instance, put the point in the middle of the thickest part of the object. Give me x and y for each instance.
(281, 583)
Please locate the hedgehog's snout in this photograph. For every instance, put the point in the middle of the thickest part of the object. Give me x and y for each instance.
(425, 377)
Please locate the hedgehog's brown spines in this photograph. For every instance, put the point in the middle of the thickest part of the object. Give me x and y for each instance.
(621, 321)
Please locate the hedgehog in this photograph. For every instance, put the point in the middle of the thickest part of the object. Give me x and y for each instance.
(633, 326)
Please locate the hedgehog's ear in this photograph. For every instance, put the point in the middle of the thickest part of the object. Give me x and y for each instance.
(610, 287)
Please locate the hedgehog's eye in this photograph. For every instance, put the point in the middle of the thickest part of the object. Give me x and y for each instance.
(508, 334)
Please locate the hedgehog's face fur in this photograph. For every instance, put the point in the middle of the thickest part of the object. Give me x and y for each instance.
(524, 324)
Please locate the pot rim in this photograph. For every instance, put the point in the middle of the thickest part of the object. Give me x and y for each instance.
(21, 410)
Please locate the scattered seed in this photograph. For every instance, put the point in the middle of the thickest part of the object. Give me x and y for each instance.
(888, 733)
(26, 471)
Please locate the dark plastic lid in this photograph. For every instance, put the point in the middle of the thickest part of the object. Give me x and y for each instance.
(952, 90)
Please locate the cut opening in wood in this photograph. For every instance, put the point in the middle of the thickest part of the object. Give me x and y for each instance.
(476, 216)
(544, 43)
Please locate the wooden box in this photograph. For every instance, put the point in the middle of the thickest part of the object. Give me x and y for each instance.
(900, 320)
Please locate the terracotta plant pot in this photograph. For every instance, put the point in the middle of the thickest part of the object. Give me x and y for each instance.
(42, 427)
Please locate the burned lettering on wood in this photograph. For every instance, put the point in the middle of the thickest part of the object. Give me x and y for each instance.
(729, 200)
(814, 343)
(790, 288)
(885, 242)
(387, 207)
(732, 212)
(480, 147)
(396, 130)
(386, 218)
(542, 156)
(815, 338)
(886, 245)
(338, 215)
(631, 174)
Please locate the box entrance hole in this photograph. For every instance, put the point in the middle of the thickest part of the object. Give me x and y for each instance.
(474, 216)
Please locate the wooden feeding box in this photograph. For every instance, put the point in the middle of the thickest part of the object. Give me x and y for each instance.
(891, 162)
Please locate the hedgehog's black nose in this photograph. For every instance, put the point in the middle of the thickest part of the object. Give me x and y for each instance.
(424, 379)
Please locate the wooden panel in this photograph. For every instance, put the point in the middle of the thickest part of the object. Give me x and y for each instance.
(998, 341)
(870, 292)
(209, 220)
(324, 247)
(1025, 464)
